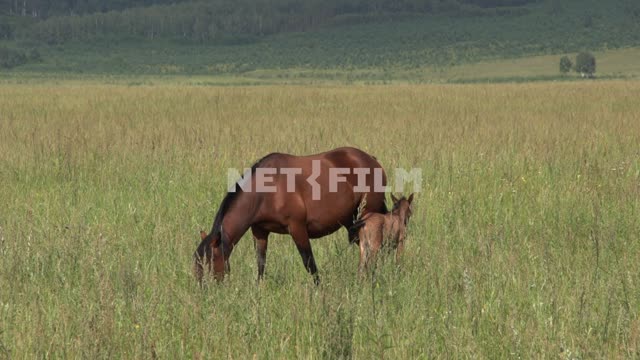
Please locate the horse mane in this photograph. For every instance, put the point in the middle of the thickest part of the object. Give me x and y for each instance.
(385, 209)
(229, 199)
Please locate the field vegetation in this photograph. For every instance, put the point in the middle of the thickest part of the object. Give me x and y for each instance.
(524, 240)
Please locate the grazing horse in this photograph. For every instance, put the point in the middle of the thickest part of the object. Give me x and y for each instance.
(375, 230)
(296, 210)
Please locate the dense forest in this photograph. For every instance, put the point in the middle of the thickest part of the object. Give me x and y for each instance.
(46, 8)
(60, 21)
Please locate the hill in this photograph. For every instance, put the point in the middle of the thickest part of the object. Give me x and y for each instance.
(361, 44)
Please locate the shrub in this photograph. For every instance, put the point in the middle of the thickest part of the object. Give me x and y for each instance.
(585, 64)
(565, 64)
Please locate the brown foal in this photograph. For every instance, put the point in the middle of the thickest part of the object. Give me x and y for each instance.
(376, 231)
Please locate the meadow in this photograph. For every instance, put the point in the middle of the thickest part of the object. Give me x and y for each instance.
(524, 240)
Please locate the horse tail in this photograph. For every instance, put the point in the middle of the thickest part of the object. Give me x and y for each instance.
(354, 230)
(357, 225)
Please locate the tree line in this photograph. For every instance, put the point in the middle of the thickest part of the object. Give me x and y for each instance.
(47, 8)
(209, 20)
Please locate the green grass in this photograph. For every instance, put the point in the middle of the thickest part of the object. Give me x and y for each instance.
(611, 64)
(524, 241)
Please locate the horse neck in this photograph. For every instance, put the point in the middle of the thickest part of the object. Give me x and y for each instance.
(238, 218)
(398, 215)
(394, 227)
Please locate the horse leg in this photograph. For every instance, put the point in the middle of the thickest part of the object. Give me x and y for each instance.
(260, 238)
(301, 238)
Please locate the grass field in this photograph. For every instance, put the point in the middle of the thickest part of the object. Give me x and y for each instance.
(611, 64)
(524, 241)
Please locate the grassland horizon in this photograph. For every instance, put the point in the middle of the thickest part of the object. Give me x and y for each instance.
(524, 241)
(613, 64)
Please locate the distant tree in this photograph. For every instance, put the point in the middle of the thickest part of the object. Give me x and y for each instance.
(565, 64)
(585, 64)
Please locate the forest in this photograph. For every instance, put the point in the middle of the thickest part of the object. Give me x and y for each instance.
(60, 21)
(47, 8)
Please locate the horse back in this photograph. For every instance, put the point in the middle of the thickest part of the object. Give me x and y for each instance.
(333, 209)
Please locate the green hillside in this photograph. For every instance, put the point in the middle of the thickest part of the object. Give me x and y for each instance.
(362, 45)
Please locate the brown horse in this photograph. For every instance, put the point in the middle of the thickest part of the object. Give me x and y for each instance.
(301, 208)
(375, 231)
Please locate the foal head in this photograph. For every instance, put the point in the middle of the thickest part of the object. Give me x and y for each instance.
(402, 208)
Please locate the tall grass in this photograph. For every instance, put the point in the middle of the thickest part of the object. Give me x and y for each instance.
(524, 241)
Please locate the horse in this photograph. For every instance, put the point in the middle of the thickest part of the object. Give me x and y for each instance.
(375, 230)
(304, 200)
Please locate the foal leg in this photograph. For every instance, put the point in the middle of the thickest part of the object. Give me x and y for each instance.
(399, 248)
(364, 250)
(301, 238)
(260, 238)
(375, 244)
(364, 236)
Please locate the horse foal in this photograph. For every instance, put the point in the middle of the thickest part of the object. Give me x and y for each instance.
(376, 231)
